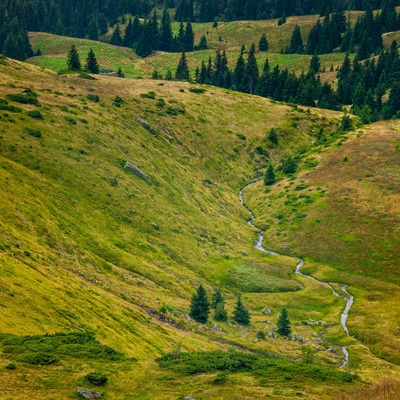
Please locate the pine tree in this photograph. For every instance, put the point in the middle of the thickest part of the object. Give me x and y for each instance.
(182, 72)
(73, 61)
(296, 42)
(220, 313)
(269, 178)
(251, 73)
(263, 43)
(238, 73)
(284, 323)
(273, 136)
(199, 306)
(203, 43)
(91, 63)
(165, 32)
(216, 298)
(188, 41)
(241, 314)
(116, 38)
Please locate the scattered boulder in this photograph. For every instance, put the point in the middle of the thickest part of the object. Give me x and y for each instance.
(266, 311)
(271, 334)
(87, 393)
(137, 171)
(294, 337)
(145, 125)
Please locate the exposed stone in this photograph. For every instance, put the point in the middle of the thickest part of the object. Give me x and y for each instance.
(266, 311)
(145, 124)
(137, 171)
(271, 334)
(87, 393)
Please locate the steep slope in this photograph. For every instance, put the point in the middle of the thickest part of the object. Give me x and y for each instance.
(91, 248)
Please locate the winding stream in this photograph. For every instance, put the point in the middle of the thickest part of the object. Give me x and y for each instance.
(348, 297)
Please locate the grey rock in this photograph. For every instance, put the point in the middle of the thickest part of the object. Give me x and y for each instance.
(266, 311)
(87, 393)
(144, 123)
(137, 171)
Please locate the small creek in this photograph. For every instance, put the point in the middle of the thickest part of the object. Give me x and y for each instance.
(347, 297)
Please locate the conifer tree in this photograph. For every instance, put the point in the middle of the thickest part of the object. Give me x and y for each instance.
(188, 41)
(216, 298)
(73, 61)
(296, 42)
(116, 38)
(182, 72)
(241, 314)
(203, 43)
(220, 313)
(238, 73)
(284, 323)
(91, 63)
(251, 71)
(273, 136)
(199, 306)
(165, 32)
(269, 178)
(263, 43)
(315, 64)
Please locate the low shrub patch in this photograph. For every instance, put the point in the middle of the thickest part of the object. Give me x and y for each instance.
(96, 378)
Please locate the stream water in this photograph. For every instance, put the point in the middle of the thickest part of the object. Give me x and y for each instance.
(347, 297)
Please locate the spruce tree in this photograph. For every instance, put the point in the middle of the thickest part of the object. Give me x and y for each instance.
(199, 306)
(203, 43)
(116, 38)
(220, 313)
(263, 43)
(315, 64)
(188, 38)
(273, 136)
(296, 42)
(73, 61)
(238, 73)
(216, 298)
(165, 32)
(182, 72)
(284, 323)
(251, 71)
(241, 314)
(91, 63)
(269, 178)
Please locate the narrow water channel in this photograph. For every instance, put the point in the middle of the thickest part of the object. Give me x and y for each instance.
(347, 297)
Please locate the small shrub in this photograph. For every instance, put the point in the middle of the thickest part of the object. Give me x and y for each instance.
(95, 378)
(241, 136)
(36, 114)
(148, 95)
(11, 366)
(171, 111)
(93, 97)
(84, 75)
(160, 103)
(260, 335)
(118, 101)
(197, 90)
(70, 120)
(33, 132)
(220, 378)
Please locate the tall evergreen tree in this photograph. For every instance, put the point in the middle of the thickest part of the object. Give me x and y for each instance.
(240, 314)
(296, 42)
(238, 73)
(284, 323)
(165, 32)
(73, 60)
(91, 63)
(251, 73)
(220, 313)
(188, 40)
(216, 298)
(263, 43)
(199, 306)
(182, 72)
(116, 38)
(269, 178)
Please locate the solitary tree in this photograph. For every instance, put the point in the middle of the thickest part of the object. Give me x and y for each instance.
(273, 136)
(284, 323)
(73, 61)
(263, 43)
(91, 63)
(241, 314)
(182, 72)
(200, 307)
(269, 178)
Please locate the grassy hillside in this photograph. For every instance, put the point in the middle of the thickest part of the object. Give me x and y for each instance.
(342, 209)
(94, 252)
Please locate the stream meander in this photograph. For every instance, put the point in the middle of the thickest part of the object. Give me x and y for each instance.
(347, 297)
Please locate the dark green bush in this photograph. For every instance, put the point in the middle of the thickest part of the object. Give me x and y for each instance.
(35, 114)
(70, 120)
(148, 95)
(96, 378)
(118, 101)
(6, 107)
(27, 97)
(93, 97)
(39, 359)
(196, 90)
(33, 132)
(220, 378)
(11, 366)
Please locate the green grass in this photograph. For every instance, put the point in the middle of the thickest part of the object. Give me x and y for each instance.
(89, 246)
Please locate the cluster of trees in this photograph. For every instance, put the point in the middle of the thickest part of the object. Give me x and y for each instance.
(208, 10)
(334, 32)
(200, 308)
(74, 62)
(150, 35)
